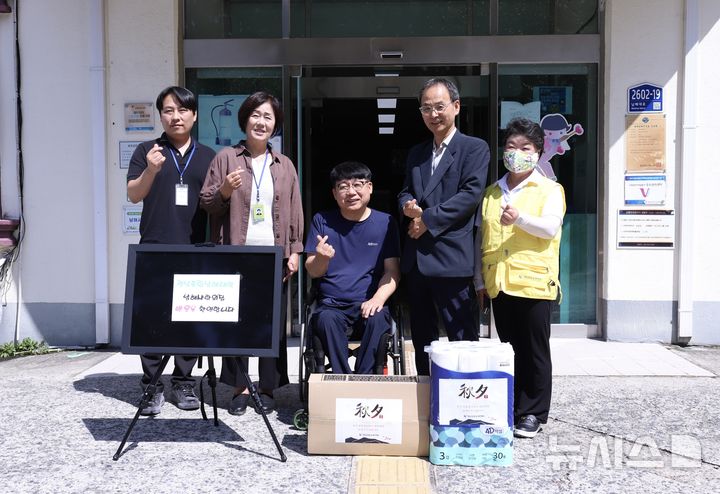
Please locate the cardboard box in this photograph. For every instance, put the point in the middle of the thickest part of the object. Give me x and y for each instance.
(368, 415)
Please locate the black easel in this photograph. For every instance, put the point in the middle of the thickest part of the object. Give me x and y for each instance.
(258, 406)
(151, 388)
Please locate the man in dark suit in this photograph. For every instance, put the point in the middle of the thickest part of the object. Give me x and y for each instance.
(444, 184)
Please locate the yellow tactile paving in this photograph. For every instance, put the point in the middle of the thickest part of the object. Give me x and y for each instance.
(390, 475)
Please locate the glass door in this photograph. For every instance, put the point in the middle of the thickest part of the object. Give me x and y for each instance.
(563, 99)
(370, 114)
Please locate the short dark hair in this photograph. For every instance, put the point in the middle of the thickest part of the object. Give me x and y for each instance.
(526, 128)
(450, 85)
(182, 96)
(349, 170)
(252, 102)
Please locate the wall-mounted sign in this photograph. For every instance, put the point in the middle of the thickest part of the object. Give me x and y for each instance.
(131, 219)
(126, 150)
(645, 190)
(646, 228)
(644, 143)
(644, 98)
(139, 117)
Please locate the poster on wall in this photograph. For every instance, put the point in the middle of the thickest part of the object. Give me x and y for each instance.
(646, 229)
(139, 117)
(645, 143)
(131, 219)
(645, 190)
(126, 150)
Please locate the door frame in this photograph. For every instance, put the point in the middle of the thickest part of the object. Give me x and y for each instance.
(292, 54)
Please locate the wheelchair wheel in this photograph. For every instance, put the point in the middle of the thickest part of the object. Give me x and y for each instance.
(300, 419)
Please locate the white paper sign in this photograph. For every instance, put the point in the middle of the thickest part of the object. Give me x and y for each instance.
(513, 109)
(131, 219)
(126, 150)
(206, 297)
(473, 400)
(368, 419)
(646, 228)
(646, 190)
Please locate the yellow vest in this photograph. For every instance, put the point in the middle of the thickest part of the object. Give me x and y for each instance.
(513, 261)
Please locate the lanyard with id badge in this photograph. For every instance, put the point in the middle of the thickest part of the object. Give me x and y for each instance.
(181, 189)
(258, 209)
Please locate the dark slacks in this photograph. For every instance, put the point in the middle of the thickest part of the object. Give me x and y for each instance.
(333, 326)
(181, 373)
(453, 298)
(271, 371)
(525, 324)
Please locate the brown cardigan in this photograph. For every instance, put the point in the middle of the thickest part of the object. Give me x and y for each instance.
(229, 219)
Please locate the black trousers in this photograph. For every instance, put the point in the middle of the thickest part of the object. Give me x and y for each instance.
(453, 298)
(334, 324)
(181, 374)
(272, 371)
(525, 324)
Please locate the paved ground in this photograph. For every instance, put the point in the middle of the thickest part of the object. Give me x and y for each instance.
(625, 418)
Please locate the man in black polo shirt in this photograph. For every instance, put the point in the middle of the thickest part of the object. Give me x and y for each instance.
(167, 174)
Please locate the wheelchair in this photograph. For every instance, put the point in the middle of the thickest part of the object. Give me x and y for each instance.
(312, 356)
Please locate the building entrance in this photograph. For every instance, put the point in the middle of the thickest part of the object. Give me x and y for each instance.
(371, 115)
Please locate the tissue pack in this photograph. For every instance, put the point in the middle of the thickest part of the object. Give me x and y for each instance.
(471, 403)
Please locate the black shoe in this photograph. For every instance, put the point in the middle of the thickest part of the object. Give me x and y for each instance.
(183, 395)
(268, 403)
(528, 426)
(238, 404)
(153, 406)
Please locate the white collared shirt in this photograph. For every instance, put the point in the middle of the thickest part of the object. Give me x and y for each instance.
(438, 151)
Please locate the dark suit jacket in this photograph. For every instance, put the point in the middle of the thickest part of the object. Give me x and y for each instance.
(449, 198)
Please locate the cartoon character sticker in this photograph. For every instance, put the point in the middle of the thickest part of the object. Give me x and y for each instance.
(557, 132)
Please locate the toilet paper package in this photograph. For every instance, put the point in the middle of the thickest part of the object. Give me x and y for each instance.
(471, 403)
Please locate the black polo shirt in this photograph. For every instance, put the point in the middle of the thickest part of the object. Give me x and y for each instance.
(162, 221)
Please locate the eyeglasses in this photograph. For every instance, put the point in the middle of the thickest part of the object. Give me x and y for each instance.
(357, 186)
(439, 108)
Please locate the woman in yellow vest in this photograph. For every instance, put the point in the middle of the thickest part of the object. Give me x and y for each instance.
(517, 267)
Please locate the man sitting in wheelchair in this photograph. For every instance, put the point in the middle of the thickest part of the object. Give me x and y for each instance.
(356, 263)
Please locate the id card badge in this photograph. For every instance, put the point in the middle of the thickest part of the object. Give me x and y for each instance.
(181, 194)
(258, 210)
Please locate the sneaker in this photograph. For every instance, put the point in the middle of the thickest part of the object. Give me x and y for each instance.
(239, 403)
(153, 406)
(528, 426)
(183, 396)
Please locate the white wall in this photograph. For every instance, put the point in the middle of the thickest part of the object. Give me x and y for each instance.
(57, 253)
(641, 288)
(143, 58)
(641, 46)
(57, 262)
(707, 207)
(8, 159)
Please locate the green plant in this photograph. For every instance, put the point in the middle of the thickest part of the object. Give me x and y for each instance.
(27, 346)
